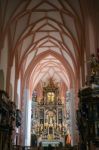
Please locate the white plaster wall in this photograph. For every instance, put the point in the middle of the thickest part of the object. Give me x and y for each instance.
(18, 92)
(28, 124)
(12, 78)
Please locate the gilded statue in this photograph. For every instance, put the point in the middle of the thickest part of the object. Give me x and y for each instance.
(94, 63)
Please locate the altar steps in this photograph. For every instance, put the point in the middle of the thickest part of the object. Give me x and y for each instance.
(44, 148)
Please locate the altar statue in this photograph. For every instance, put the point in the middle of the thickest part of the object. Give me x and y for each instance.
(94, 64)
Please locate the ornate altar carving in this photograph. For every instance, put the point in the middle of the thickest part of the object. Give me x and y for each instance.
(94, 65)
(7, 121)
(18, 118)
(88, 112)
(49, 124)
(9, 118)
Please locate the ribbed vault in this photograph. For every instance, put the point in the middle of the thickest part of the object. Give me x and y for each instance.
(42, 40)
(42, 26)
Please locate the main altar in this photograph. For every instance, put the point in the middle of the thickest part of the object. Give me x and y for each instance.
(48, 117)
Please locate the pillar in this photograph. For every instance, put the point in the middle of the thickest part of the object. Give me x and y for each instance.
(70, 108)
(27, 119)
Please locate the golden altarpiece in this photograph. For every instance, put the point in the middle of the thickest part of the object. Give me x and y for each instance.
(48, 117)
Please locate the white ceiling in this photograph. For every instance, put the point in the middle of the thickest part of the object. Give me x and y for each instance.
(37, 27)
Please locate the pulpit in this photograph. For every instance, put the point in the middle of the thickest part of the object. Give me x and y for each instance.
(88, 112)
(88, 116)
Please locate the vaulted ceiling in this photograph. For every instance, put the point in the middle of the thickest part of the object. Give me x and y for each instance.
(45, 38)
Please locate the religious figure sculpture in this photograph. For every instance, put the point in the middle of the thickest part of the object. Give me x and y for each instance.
(94, 63)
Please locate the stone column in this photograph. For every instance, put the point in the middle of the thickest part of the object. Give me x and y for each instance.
(27, 119)
(70, 106)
